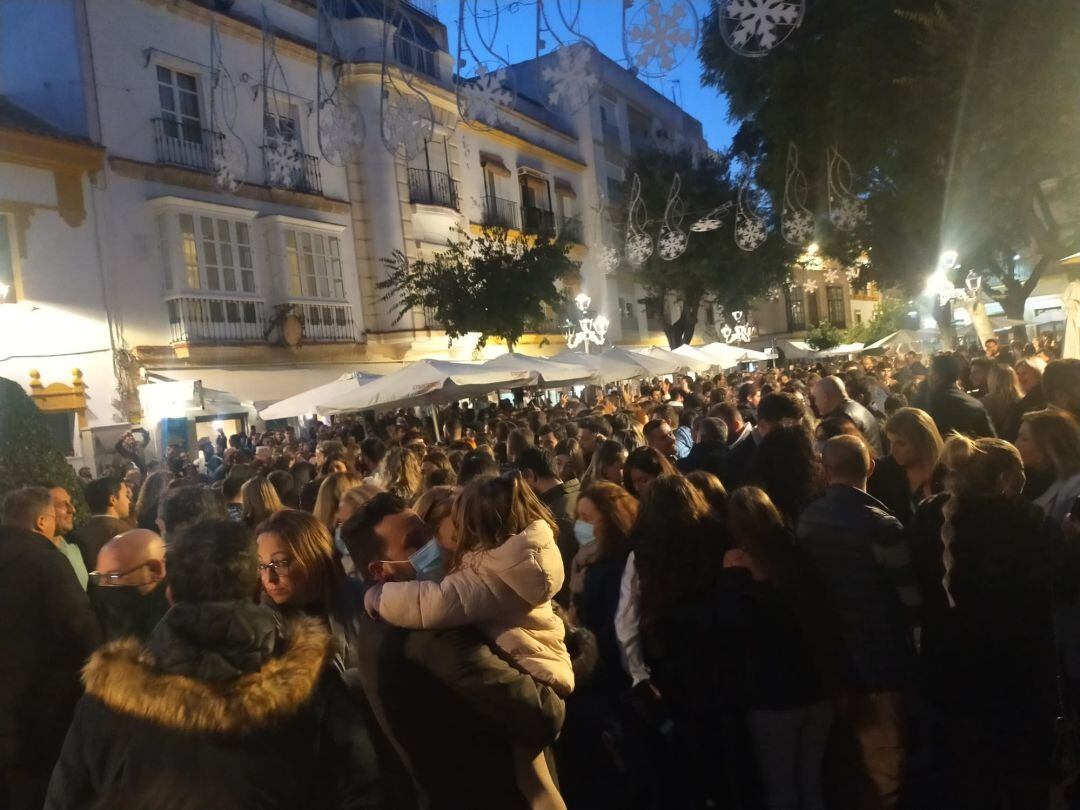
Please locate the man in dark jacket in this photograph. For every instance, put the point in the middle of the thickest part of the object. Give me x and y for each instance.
(224, 701)
(858, 552)
(710, 449)
(49, 630)
(450, 709)
(109, 500)
(128, 588)
(537, 468)
(949, 407)
(831, 398)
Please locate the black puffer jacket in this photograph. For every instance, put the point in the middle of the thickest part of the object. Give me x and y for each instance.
(224, 701)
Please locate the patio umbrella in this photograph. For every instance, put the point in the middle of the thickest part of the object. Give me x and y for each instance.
(683, 362)
(545, 371)
(308, 401)
(654, 366)
(605, 369)
(426, 382)
(728, 356)
(694, 354)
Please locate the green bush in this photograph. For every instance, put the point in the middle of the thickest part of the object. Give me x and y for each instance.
(824, 336)
(28, 454)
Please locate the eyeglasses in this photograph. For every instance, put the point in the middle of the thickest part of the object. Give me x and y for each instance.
(111, 579)
(279, 567)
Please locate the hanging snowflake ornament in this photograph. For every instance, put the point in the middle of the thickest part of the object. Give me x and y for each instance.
(341, 134)
(407, 124)
(810, 285)
(846, 210)
(671, 244)
(658, 35)
(797, 227)
(712, 220)
(229, 167)
(639, 247)
(282, 160)
(755, 27)
(483, 98)
(570, 78)
(608, 259)
(750, 232)
(830, 275)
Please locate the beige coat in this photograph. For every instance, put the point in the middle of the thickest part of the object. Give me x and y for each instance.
(506, 592)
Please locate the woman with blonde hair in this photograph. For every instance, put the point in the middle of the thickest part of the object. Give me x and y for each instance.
(435, 508)
(400, 473)
(1003, 392)
(259, 500)
(909, 474)
(348, 505)
(1049, 442)
(503, 574)
(331, 490)
(986, 558)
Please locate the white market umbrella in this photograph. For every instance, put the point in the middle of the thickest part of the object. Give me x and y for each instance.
(544, 370)
(694, 354)
(605, 369)
(653, 366)
(426, 382)
(308, 401)
(684, 362)
(728, 356)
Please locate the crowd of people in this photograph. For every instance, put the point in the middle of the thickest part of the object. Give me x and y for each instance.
(803, 588)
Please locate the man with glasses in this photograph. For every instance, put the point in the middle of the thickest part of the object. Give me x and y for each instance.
(49, 630)
(127, 589)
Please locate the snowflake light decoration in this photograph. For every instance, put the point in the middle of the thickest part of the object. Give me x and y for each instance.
(282, 160)
(712, 220)
(797, 227)
(608, 259)
(342, 134)
(659, 36)
(571, 79)
(483, 98)
(639, 247)
(791, 283)
(830, 275)
(755, 27)
(750, 232)
(852, 274)
(407, 124)
(846, 213)
(228, 166)
(810, 285)
(672, 243)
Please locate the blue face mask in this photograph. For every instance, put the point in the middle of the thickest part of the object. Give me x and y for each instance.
(339, 544)
(584, 532)
(427, 561)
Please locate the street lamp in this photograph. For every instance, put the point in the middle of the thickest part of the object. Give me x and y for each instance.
(588, 330)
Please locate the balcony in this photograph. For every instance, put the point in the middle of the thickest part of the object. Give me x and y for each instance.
(433, 188)
(570, 230)
(305, 177)
(206, 319)
(410, 55)
(537, 220)
(185, 145)
(500, 213)
(326, 323)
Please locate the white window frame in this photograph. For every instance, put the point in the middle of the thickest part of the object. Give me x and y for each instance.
(309, 241)
(180, 120)
(203, 249)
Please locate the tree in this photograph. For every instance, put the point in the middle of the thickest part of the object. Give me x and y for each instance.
(824, 336)
(890, 315)
(489, 284)
(712, 269)
(959, 118)
(28, 454)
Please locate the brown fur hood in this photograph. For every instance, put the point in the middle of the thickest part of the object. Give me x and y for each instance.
(122, 675)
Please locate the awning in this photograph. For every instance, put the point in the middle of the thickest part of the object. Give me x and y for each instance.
(494, 164)
(564, 189)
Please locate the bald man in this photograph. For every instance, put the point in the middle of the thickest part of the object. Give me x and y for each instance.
(831, 399)
(859, 555)
(127, 591)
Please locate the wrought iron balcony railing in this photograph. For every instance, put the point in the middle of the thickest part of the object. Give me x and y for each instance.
(408, 54)
(204, 318)
(500, 212)
(327, 323)
(433, 188)
(537, 220)
(305, 176)
(570, 230)
(186, 145)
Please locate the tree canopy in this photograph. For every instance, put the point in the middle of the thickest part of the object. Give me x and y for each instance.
(960, 119)
(489, 284)
(713, 268)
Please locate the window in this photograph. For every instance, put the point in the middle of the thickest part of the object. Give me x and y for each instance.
(178, 94)
(313, 262)
(217, 254)
(7, 261)
(834, 297)
(813, 314)
(796, 317)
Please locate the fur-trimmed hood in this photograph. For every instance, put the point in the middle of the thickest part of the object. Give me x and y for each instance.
(125, 677)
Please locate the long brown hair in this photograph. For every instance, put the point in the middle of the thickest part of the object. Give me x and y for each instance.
(401, 473)
(619, 510)
(491, 509)
(311, 549)
(648, 460)
(260, 500)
